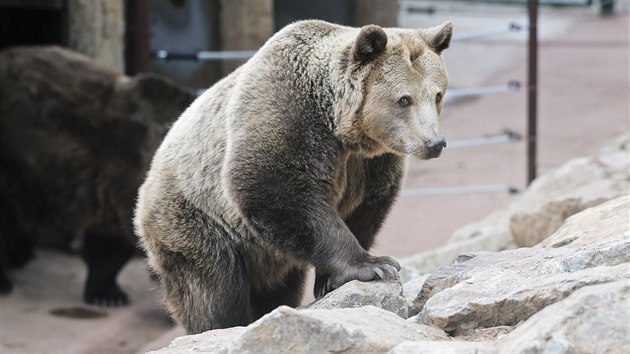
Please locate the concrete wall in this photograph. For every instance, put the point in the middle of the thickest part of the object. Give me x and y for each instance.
(244, 25)
(379, 12)
(97, 29)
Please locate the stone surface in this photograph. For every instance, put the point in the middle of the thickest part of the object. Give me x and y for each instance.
(530, 228)
(407, 273)
(431, 347)
(489, 289)
(286, 330)
(488, 237)
(411, 289)
(207, 342)
(593, 319)
(97, 29)
(386, 295)
(577, 185)
(587, 228)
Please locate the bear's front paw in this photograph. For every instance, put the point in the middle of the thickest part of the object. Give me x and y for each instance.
(374, 268)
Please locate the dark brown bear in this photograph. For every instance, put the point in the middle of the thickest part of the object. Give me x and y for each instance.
(76, 139)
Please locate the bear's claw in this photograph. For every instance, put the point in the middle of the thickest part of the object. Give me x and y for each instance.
(384, 268)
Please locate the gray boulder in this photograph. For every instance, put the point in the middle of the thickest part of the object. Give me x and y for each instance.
(386, 295)
(286, 330)
(489, 289)
(579, 184)
(208, 342)
(595, 226)
(431, 347)
(411, 289)
(593, 319)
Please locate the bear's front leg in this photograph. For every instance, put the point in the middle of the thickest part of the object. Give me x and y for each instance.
(349, 261)
(284, 191)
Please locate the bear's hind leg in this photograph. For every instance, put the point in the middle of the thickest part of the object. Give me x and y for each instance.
(202, 298)
(288, 292)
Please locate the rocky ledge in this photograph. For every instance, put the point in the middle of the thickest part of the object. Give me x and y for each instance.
(569, 293)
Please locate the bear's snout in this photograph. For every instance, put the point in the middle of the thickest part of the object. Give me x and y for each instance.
(434, 147)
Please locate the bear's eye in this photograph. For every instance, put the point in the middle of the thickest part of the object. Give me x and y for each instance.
(404, 101)
(438, 98)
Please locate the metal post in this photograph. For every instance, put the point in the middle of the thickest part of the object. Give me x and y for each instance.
(532, 71)
(137, 37)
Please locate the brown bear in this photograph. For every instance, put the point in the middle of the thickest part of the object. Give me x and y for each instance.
(292, 160)
(76, 139)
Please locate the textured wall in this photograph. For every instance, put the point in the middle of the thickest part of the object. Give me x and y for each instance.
(97, 29)
(379, 12)
(245, 25)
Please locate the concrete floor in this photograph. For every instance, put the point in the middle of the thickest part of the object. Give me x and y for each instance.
(583, 97)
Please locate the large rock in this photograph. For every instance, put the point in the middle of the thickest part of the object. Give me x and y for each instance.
(492, 236)
(494, 292)
(207, 342)
(540, 210)
(411, 289)
(593, 319)
(386, 295)
(575, 186)
(431, 347)
(286, 330)
(605, 223)
(488, 289)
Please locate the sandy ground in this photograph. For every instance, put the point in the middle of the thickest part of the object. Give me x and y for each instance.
(583, 96)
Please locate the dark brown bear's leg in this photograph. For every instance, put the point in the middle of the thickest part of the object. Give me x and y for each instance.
(16, 247)
(105, 256)
(5, 284)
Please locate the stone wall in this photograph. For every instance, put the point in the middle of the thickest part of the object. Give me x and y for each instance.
(97, 29)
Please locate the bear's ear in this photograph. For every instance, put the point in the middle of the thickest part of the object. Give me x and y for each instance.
(370, 43)
(439, 37)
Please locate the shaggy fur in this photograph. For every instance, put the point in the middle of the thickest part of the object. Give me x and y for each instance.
(76, 139)
(292, 160)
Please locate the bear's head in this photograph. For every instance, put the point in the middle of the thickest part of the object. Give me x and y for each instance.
(395, 84)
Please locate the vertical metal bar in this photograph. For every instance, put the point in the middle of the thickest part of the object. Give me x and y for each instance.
(532, 104)
(137, 37)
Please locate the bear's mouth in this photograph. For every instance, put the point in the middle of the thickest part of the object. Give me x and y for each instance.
(426, 154)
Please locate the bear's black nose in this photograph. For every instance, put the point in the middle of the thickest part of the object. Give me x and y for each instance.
(434, 147)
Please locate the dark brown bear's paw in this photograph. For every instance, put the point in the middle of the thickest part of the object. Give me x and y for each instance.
(374, 268)
(106, 296)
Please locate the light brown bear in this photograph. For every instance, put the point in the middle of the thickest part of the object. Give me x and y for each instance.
(292, 160)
